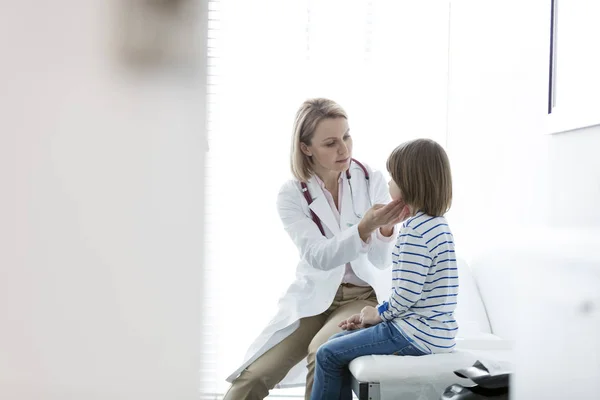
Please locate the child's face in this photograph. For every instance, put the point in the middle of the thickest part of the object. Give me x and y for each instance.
(394, 190)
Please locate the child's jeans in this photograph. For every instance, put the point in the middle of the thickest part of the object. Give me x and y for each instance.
(332, 377)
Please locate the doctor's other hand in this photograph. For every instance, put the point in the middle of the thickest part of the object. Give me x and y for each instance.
(380, 215)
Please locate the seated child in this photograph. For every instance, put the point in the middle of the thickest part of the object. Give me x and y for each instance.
(418, 317)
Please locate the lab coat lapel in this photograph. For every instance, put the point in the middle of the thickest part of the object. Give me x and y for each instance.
(321, 207)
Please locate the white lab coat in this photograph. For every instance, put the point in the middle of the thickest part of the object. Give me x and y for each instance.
(322, 264)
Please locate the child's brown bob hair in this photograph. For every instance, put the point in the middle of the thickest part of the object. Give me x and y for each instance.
(421, 170)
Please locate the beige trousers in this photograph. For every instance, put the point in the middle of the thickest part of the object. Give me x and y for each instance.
(269, 369)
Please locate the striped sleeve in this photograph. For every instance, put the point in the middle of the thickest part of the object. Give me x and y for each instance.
(410, 267)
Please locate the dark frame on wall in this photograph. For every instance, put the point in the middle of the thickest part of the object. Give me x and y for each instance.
(552, 59)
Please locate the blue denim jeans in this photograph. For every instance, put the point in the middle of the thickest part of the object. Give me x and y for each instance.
(332, 377)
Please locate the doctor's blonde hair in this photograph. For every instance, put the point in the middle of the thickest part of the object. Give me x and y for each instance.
(311, 112)
(421, 170)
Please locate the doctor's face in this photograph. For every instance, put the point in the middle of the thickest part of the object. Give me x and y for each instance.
(331, 145)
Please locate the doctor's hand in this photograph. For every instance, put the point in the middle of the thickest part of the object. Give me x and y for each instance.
(379, 216)
(388, 229)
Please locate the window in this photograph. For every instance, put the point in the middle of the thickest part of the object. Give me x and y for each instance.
(384, 61)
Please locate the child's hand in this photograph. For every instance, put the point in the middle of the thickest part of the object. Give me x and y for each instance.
(351, 323)
(369, 316)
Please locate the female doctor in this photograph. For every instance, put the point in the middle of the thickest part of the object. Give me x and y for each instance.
(338, 213)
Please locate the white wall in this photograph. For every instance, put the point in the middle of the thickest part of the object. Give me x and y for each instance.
(575, 179)
(496, 143)
(101, 208)
(507, 169)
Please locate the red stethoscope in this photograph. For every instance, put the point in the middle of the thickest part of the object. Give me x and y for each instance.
(309, 199)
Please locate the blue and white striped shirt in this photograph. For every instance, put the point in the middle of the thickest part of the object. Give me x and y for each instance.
(424, 284)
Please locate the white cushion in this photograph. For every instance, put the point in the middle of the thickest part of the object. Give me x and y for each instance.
(400, 376)
(405, 368)
(420, 378)
(377, 368)
(425, 377)
(495, 276)
(470, 312)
